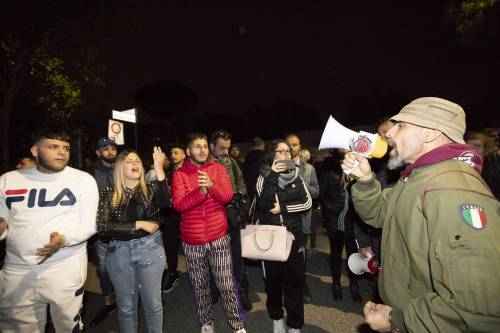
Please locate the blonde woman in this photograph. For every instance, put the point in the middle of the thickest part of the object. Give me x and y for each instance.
(128, 221)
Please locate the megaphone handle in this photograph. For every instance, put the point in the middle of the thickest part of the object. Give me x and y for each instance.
(348, 171)
(356, 164)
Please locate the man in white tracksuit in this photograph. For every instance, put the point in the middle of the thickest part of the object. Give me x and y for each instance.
(46, 214)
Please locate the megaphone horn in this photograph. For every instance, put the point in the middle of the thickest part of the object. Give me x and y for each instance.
(359, 264)
(336, 136)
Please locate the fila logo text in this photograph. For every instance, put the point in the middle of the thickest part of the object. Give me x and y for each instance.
(64, 198)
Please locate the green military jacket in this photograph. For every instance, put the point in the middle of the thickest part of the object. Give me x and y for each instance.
(440, 248)
(234, 173)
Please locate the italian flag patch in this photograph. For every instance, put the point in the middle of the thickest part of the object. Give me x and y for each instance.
(473, 216)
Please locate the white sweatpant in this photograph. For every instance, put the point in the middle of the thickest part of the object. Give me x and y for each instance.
(25, 292)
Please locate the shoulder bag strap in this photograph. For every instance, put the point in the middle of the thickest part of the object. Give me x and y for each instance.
(252, 210)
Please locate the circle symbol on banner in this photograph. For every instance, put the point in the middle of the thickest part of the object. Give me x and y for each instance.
(116, 128)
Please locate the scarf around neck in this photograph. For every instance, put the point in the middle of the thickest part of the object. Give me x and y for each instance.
(456, 151)
(284, 178)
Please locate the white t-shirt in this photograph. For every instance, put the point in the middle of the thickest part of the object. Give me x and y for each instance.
(35, 204)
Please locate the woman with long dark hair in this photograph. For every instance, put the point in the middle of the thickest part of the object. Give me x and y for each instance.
(128, 220)
(282, 197)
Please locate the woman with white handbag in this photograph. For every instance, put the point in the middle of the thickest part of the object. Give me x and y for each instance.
(282, 198)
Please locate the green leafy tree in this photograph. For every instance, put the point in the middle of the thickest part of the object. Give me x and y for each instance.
(477, 22)
(46, 57)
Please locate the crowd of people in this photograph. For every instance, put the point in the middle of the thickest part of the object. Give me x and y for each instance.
(428, 212)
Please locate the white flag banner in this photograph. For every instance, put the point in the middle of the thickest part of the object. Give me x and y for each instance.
(127, 115)
(115, 131)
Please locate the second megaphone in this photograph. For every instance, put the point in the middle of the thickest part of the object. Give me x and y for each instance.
(359, 264)
(337, 136)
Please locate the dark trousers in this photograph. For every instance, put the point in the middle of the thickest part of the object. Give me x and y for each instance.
(2, 252)
(313, 231)
(285, 282)
(100, 254)
(337, 241)
(239, 269)
(171, 240)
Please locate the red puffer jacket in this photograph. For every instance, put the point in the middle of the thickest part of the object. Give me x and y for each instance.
(203, 217)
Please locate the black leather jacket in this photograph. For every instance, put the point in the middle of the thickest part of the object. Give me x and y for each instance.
(118, 222)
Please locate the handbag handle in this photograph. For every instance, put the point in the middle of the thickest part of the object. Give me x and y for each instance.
(273, 235)
(278, 202)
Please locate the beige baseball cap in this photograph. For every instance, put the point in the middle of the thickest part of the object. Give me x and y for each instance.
(435, 113)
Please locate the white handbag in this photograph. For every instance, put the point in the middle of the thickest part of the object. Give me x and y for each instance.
(266, 242)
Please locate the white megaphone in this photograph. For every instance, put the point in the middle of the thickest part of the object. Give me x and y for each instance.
(359, 264)
(337, 136)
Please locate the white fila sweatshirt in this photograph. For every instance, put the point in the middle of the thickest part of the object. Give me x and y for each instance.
(35, 204)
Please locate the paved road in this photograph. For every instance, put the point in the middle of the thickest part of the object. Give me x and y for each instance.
(323, 315)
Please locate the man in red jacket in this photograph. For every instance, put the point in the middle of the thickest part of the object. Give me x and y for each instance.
(200, 190)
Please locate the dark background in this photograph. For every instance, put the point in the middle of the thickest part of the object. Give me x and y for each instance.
(269, 67)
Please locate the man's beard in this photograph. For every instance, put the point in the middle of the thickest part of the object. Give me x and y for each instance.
(221, 156)
(109, 160)
(199, 160)
(395, 160)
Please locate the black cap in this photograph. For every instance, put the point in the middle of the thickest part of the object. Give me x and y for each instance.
(103, 142)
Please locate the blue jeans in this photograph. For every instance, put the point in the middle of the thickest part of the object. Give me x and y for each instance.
(100, 253)
(135, 268)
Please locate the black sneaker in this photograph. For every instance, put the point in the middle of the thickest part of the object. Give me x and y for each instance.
(171, 281)
(246, 302)
(103, 314)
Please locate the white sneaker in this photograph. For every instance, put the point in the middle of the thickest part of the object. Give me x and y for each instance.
(279, 326)
(293, 330)
(207, 328)
(241, 331)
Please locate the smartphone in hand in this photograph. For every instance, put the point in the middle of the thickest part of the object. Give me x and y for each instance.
(290, 164)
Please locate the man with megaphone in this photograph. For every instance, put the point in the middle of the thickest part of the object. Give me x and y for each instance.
(440, 249)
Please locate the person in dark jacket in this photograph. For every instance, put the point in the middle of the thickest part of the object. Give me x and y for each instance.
(128, 220)
(170, 229)
(103, 174)
(340, 220)
(282, 198)
(486, 147)
(251, 168)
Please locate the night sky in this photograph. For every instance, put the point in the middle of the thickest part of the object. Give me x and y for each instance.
(319, 53)
(258, 68)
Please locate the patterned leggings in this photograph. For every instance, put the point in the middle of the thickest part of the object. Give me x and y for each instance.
(213, 257)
